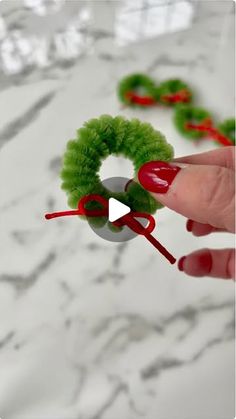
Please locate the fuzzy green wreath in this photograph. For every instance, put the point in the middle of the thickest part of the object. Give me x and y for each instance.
(187, 114)
(171, 87)
(139, 84)
(227, 128)
(95, 141)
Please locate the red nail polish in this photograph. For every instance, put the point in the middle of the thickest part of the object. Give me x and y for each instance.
(157, 176)
(189, 225)
(181, 263)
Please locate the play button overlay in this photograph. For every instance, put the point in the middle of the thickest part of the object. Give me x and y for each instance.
(116, 209)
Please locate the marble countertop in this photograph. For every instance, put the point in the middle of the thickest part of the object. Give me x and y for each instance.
(91, 329)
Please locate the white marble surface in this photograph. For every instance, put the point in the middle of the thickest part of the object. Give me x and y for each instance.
(91, 329)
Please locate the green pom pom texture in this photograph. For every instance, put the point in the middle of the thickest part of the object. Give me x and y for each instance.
(95, 141)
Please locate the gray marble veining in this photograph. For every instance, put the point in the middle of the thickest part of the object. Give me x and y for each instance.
(91, 329)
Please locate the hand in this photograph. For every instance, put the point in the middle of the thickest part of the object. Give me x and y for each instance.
(202, 188)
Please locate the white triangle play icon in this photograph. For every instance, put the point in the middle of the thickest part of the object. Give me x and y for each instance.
(116, 209)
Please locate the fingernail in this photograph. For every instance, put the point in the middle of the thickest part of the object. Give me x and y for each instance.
(157, 176)
(181, 263)
(189, 225)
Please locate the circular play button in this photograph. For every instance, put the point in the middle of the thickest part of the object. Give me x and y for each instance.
(116, 210)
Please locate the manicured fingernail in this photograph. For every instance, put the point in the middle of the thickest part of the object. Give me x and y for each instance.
(181, 263)
(157, 176)
(189, 225)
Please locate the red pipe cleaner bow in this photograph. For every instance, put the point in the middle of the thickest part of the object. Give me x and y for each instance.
(140, 100)
(129, 220)
(183, 96)
(207, 127)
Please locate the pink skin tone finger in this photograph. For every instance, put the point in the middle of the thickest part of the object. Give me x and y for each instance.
(223, 157)
(201, 193)
(208, 262)
(199, 229)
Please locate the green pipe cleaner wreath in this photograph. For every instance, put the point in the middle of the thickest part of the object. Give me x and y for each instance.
(185, 114)
(193, 123)
(136, 83)
(95, 141)
(227, 128)
(171, 87)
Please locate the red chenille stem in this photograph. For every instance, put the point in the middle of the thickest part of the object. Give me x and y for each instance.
(140, 100)
(182, 96)
(213, 133)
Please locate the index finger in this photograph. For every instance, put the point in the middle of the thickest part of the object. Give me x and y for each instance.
(224, 157)
(202, 193)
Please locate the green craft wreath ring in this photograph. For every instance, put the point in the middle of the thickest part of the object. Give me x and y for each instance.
(136, 83)
(171, 87)
(185, 114)
(227, 128)
(95, 141)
